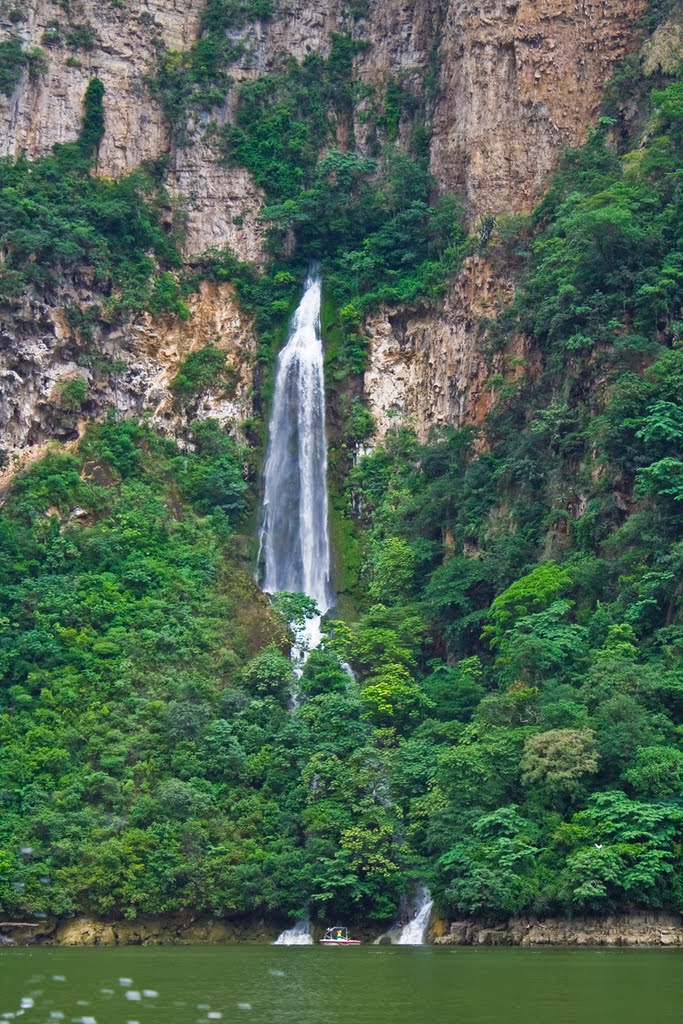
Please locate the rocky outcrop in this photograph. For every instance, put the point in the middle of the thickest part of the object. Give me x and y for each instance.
(426, 366)
(121, 41)
(655, 928)
(519, 80)
(183, 927)
(516, 80)
(126, 368)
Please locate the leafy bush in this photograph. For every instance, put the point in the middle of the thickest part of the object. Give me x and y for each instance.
(203, 370)
(72, 394)
(14, 59)
(195, 81)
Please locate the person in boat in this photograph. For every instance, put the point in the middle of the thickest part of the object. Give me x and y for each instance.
(340, 934)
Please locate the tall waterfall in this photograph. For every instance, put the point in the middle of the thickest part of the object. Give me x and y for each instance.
(295, 543)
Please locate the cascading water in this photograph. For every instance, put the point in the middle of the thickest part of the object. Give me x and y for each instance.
(300, 935)
(295, 543)
(415, 932)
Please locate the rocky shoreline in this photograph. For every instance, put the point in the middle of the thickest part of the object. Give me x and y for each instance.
(167, 929)
(640, 928)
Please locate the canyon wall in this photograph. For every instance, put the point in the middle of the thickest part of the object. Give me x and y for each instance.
(511, 83)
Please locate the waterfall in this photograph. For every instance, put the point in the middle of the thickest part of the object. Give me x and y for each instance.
(415, 932)
(299, 935)
(294, 541)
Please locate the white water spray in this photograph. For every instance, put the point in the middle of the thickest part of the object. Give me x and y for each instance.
(295, 543)
(300, 935)
(415, 932)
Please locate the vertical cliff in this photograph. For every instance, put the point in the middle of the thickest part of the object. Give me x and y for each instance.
(505, 84)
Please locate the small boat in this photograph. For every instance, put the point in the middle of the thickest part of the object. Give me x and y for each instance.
(338, 937)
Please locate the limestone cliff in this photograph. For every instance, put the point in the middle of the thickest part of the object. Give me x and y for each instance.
(126, 368)
(510, 83)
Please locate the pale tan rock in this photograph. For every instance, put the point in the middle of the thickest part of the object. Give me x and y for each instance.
(519, 80)
(38, 352)
(642, 928)
(426, 367)
(515, 80)
(664, 50)
(183, 927)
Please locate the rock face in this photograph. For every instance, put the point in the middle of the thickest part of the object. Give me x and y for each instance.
(637, 929)
(507, 84)
(426, 367)
(520, 79)
(128, 369)
(183, 927)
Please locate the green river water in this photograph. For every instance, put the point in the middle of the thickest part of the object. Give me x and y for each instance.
(313, 985)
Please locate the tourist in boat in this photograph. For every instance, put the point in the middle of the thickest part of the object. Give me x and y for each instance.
(338, 936)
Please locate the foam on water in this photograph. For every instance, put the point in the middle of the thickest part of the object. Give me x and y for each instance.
(300, 935)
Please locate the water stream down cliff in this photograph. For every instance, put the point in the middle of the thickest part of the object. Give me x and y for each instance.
(295, 543)
(414, 933)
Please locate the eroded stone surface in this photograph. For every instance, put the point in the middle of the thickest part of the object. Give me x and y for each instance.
(655, 928)
(39, 353)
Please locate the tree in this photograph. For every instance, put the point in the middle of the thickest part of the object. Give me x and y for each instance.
(532, 593)
(296, 611)
(392, 571)
(656, 772)
(392, 698)
(625, 852)
(560, 760)
(268, 674)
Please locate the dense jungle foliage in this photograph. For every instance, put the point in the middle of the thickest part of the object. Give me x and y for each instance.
(369, 220)
(512, 736)
(366, 212)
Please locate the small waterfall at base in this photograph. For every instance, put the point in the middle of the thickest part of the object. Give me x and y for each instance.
(415, 932)
(300, 935)
(294, 541)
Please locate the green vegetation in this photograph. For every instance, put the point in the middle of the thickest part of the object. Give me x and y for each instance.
(150, 760)
(73, 393)
(126, 630)
(370, 222)
(512, 736)
(204, 369)
(14, 59)
(538, 735)
(195, 81)
(59, 222)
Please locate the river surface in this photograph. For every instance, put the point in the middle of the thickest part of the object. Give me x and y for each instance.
(365, 985)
